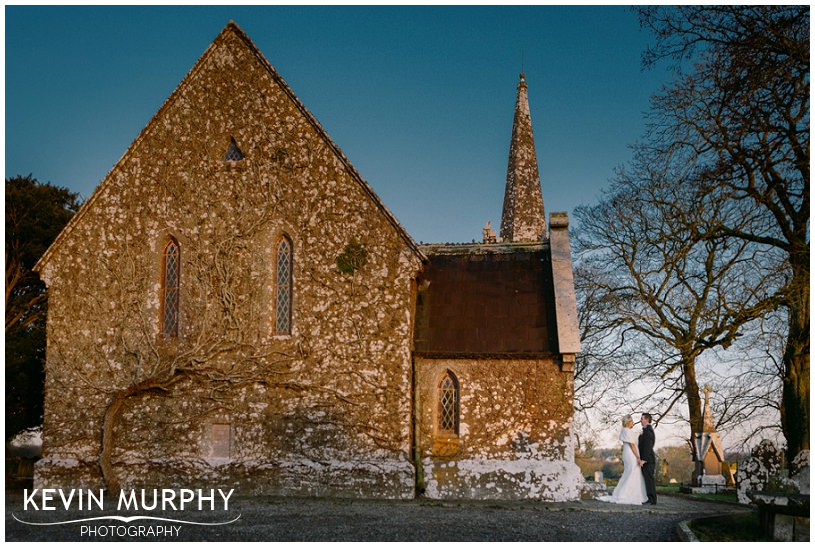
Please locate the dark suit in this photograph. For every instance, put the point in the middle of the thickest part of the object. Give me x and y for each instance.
(646, 448)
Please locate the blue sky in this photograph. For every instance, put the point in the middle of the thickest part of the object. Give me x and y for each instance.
(419, 98)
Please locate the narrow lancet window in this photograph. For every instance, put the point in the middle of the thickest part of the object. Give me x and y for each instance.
(448, 405)
(283, 286)
(170, 285)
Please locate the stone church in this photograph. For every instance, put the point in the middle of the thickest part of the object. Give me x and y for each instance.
(235, 307)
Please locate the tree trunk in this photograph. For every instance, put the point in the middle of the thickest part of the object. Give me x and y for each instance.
(795, 395)
(694, 408)
(110, 421)
(692, 394)
(108, 424)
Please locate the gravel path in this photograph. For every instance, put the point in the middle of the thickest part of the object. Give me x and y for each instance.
(293, 519)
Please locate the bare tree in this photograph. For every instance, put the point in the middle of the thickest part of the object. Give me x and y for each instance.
(741, 113)
(608, 356)
(668, 287)
(595, 366)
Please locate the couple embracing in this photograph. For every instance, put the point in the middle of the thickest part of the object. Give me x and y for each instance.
(637, 485)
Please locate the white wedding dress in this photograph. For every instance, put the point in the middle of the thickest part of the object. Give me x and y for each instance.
(631, 488)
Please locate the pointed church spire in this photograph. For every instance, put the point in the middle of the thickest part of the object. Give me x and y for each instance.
(523, 218)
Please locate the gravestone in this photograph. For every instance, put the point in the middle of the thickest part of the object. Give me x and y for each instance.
(783, 503)
(799, 471)
(729, 472)
(755, 472)
(589, 490)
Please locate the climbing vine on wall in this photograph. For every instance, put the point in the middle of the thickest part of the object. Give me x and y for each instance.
(353, 257)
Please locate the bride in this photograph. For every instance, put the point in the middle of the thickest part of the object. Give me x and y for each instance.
(631, 488)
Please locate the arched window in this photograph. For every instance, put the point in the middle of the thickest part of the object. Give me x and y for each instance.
(171, 277)
(283, 286)
(448, 404)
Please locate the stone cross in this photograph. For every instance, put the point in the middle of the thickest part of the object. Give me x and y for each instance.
(707, 418)
(707, 390)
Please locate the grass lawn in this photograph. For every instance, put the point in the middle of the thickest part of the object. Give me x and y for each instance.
(741, 527)
(730, 496)
(667, 489)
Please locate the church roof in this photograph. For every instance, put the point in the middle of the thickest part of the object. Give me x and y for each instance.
(503, 300)
(231, 28)
(486, 300)
(523, 217)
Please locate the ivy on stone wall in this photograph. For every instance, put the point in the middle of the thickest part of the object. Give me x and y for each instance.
(353, 257)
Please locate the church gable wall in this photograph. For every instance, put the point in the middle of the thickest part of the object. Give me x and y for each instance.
(295, 407)
(514, 430)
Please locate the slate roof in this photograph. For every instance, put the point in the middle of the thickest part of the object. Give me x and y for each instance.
(486, 300)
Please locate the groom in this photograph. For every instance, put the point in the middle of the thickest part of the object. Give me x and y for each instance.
(648, 460)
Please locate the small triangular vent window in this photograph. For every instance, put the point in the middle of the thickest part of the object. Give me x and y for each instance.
(233, 153)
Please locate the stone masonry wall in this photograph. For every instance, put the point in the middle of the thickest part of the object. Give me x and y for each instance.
(325, 410)
(514, 437)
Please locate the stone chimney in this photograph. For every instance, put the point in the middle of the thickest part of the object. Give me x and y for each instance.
(568, 328)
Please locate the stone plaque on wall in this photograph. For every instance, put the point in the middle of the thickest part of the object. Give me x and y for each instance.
(220, 441)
